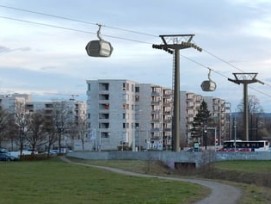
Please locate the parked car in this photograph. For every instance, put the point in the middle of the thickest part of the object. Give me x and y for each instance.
(3, 150)
(7, 157)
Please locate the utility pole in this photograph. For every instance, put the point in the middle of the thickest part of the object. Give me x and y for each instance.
(245, 79)
(179, 41)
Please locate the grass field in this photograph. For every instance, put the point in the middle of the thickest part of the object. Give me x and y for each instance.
(252, 194)
(56, 182)
(256, 173)
(245, 166)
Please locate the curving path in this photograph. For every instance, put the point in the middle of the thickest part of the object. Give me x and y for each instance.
(220, 193)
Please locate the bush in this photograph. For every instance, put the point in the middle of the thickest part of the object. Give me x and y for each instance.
(34, 157)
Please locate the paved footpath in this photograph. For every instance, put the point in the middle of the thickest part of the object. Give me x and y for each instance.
(220, 193)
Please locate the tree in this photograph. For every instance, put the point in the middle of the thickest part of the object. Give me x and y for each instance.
(253, 105)
(255, 111)
(5, 119)
(62, 120)
(51, 132)
(81, 129)
(200, 123)
(21, 121)
(36, 135)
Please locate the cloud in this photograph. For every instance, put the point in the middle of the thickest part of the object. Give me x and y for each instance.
(4, 49)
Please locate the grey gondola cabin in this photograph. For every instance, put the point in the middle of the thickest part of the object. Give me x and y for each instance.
(99, 48)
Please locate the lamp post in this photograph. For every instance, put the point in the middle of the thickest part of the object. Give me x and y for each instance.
(213, 128)
(234, 134)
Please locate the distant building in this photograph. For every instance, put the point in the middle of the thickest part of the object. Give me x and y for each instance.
(22, 102)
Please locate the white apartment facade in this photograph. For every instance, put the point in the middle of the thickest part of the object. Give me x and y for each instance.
(123, 112)
(111, 113)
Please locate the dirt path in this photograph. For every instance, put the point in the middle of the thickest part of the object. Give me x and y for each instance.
(220, 193)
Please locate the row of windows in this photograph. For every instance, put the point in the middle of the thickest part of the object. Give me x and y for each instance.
(106, 125)
(125, 87)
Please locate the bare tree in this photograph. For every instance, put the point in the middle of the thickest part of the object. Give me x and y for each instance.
(62, 117)
(255, 111)
(254, 105)
(5, 119)
(51, 132)
(36, 135)
(81, 127)
(21, 121)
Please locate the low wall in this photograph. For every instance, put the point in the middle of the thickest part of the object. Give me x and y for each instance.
(222, 156)
(167, 157)
(170, 158)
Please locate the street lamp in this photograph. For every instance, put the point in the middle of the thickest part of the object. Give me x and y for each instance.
(213, 128)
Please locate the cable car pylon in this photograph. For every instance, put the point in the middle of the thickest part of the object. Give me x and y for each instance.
(174, 48)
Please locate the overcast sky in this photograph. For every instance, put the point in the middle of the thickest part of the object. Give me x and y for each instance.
(235, 36)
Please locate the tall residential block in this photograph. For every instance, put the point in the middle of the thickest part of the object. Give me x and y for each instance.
(126, 114)
(123, 113)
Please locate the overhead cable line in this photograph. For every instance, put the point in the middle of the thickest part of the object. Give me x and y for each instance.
(226, 62)
(111, 27)
(71, 29)
(76, 20)
(194, 61)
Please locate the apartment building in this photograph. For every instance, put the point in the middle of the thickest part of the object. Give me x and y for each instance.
(12, 102)
(126, 113)
(22, 103)
(150, 123)
(217, 108)
(190, 103)
(111, 113)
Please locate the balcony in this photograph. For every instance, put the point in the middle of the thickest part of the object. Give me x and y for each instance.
(155, 129)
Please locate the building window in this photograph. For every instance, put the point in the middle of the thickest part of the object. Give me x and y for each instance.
(105, 134)
(125, 125)
(104, 86)
(125, 87)
(89, 87)
(104, 116)
(125, 116)
(104, 125)
(126, 97)
(104, 97)
(137, 89)
(125, 106)
(104, 106)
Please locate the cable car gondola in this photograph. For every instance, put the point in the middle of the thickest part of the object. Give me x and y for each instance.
(99, 48)
(208, 85)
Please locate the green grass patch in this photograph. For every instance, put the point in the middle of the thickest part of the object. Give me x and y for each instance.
(245, 166)
(56, 182)
(139, 166)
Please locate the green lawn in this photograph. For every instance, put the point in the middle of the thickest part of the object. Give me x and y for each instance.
(245, 166)
(57, 182)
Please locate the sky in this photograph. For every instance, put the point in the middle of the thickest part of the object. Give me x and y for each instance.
(45, 55)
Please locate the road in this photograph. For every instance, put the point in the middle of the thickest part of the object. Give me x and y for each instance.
(220, 193)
